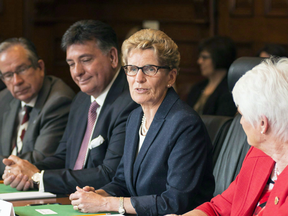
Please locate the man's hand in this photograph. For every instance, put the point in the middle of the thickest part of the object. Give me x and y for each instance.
(17, 166)
(18, 173)
(20, 182)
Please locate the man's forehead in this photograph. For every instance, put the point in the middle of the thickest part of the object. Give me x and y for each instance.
(90, 43)
(14, 57)
(80, 50)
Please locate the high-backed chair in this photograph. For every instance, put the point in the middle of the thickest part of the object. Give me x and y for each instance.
(217, 127)
(235, 146)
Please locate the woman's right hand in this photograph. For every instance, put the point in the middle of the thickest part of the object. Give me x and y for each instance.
(87, 201)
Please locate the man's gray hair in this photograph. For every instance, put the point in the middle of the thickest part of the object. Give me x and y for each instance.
(26, 44)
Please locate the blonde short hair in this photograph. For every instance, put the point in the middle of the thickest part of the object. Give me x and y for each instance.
(164, 47)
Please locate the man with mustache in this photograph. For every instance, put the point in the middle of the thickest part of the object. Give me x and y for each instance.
(34, 108)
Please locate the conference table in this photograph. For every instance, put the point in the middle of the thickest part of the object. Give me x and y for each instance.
(64, 200)
(60, 204)
(60, 200)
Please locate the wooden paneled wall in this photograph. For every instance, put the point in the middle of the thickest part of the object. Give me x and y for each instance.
(253, 23)
(185, 21)
(250, 23)
(45, 21)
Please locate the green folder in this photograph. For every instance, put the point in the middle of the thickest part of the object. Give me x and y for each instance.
(63, 210)
(7, 189)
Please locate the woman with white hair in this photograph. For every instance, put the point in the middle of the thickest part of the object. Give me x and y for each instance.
(261, 188)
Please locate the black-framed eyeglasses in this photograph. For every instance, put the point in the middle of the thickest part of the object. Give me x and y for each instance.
(148, 70)
(8, 76)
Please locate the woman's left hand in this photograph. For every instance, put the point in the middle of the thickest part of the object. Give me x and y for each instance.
(87, 201)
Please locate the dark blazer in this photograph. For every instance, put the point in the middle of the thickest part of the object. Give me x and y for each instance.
(220, 102)
(243, 194)
(47, 121)
(173, 170)
(59, 176)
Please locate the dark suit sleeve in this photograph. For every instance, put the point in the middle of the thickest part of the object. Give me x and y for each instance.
(65, 180)
(118, 186)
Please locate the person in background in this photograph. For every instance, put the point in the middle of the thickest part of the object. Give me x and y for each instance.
(261, 187)
(212, 96)
(34, 107)
(92, 145)
(167, 161)
(272, 50)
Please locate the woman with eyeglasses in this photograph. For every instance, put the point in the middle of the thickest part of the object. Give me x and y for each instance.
(167, 161)
(212, 96)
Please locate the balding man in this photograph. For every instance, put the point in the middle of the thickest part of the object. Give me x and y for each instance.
(34, 107)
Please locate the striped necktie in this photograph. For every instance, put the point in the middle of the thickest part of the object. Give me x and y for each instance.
(25, 120)
(16, 148)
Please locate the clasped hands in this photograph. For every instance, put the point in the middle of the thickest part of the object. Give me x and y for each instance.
(88, 200)
(18, 173)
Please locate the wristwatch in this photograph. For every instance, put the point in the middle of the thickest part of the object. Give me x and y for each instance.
(121, 209)
(36, 178)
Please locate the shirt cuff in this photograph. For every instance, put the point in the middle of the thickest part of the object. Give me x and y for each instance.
(41, 184)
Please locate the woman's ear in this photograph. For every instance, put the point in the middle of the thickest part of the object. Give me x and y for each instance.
(264, 124)
(172, 77)
(113, 54)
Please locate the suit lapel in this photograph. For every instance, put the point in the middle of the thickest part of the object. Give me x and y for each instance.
(82, 117)
(258, 176)
(40, 102)
(131, 148)
(9, 123)
(154, 129)
(148, 141)
(116, 89)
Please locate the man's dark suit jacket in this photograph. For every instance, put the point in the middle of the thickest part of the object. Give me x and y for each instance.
(173, 171)
(102, 162)
(220, 102)
(47, 121)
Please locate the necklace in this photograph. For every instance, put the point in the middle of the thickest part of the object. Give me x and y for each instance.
(144, 130)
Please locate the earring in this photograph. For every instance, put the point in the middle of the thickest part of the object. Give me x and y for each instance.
(262, 132)
(168, 85)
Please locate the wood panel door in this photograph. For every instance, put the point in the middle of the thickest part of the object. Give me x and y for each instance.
(253, 23)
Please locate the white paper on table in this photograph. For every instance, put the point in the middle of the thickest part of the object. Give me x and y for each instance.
(45, 211)
(6, 208)
(26, 195)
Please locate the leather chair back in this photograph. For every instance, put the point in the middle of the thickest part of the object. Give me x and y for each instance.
(217, 127)
(235, 146)
(239, 67)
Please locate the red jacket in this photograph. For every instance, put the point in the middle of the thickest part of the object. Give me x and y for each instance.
(242, 195)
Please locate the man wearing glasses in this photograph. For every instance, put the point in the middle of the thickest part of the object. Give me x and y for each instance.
(34, 108)
(93, 142)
